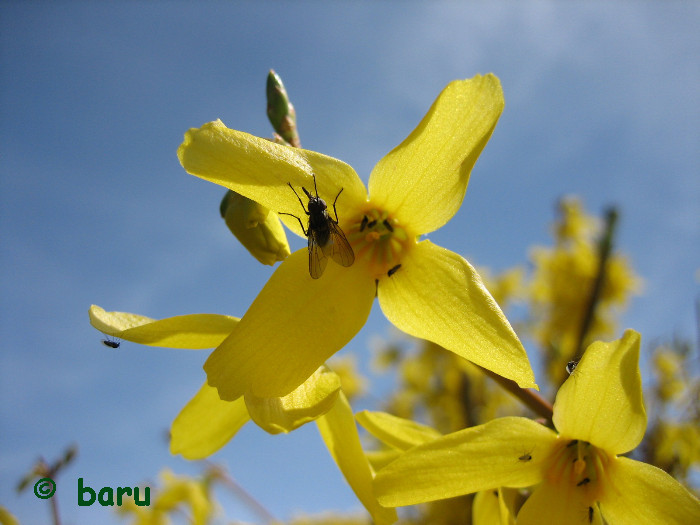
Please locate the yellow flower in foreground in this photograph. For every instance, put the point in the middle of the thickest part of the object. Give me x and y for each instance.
(207, 423)
(296, 323)
(579, 471)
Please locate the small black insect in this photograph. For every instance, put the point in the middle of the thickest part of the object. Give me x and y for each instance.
(388, 225)
(571, 366)
(111, 343)
(324, 235)
(525, 457)
(584, 481)
(393, 270)
(590, 514)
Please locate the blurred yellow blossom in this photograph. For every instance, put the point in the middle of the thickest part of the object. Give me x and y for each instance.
(178, 494)
(562, 286)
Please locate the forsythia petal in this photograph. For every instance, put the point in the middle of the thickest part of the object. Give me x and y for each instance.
(601, 401)
(494, 507)
(552, 504)
(437, 295)
(396, 432)
(195, 331)
(339, 432)
(642, 493)
(436, 159)
(477, 458)
(292, 327)
(206, 424)
(260, 170)
(310, 400)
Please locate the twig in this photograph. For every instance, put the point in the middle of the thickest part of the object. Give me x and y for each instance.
(604, 251)
(530, 398)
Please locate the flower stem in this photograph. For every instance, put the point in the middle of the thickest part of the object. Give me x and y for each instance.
(529, 397)
(604, 251)
(219, 473)
(54, 512)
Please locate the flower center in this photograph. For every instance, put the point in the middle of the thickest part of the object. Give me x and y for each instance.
(579, 465)
(380, 240)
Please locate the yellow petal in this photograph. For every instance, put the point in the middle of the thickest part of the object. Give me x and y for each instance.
(294, 325)
(437, 295)
(479, 458)
(339, 432)
(310, 400)
(423, 180)
(381, 458)
(601, 401)
(260, 170)
(396, 432)
(183, 491)
(642, 493)
(196, 331)
(206, 424)
(494, 507)
(556, 504)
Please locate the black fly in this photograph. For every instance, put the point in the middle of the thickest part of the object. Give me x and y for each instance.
(111, 343)
(324, 235)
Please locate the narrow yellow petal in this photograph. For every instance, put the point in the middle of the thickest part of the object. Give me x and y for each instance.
(313, 398)
(196, 331)
(206, 424)
(339, 432)
(509, 451)
(494, 507)
(381, 458)
(423, 180)
(601, 401)
(396, 432)
(294, 325)
(486, 509)
(437, 295)
(642, 493)
(552, 504)
(260, 170)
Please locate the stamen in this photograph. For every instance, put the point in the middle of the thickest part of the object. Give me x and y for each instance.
(379, 239)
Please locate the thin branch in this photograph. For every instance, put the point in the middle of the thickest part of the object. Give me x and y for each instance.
(604, 251)
(529, 397)
(222, 475)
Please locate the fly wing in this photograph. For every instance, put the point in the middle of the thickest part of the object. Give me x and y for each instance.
(338, 246)
(317, 257)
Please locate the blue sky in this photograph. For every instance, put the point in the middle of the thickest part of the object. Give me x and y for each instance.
(602, 101)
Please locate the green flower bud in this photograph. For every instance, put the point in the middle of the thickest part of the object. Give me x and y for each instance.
(280, 111)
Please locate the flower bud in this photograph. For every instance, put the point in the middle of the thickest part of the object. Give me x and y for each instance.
(258, 229)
